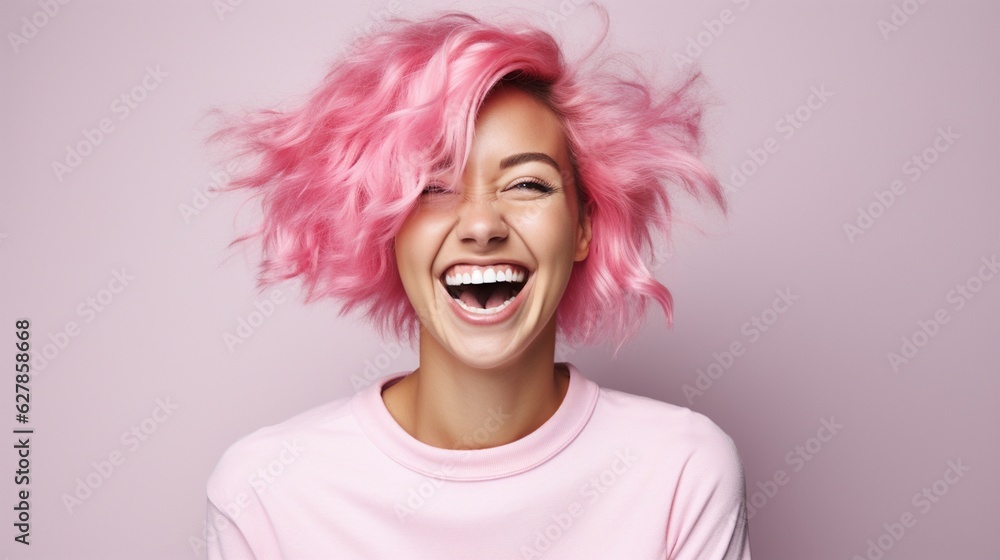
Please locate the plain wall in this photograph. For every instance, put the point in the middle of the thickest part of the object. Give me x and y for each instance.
(114, 231)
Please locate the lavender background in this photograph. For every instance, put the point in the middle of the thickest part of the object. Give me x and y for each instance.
(131, 229)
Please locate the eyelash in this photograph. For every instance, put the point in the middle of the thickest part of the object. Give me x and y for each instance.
(427, 189)
(533, 184)
(536, 185)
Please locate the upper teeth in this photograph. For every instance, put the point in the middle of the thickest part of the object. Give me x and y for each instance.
(485, 275)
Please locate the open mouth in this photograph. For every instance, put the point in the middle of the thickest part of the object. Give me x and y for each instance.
(485, 288)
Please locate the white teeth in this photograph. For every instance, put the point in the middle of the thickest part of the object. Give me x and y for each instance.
(485, 276)
(490, 311)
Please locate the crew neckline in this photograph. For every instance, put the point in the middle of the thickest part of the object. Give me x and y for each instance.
(475, 464)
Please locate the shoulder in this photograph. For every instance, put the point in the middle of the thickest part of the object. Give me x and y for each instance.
(699, 464)
(668, 419)
(704, 450)
(275, 445)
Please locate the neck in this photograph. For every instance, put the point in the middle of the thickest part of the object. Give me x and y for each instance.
(448, 404)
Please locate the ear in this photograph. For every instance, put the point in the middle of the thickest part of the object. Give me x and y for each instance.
(583, 238)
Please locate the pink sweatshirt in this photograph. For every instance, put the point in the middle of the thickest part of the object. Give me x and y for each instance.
(609, 476)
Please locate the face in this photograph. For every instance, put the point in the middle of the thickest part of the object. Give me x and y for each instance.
(514, 209)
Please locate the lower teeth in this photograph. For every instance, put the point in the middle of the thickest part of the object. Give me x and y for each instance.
(490, 311)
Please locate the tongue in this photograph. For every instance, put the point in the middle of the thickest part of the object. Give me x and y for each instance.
(496, 296)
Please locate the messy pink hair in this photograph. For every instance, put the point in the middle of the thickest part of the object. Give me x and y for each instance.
(340, 173)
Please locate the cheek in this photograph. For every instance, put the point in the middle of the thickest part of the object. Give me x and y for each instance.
(548, 229)
(417, 243)
(406, 243)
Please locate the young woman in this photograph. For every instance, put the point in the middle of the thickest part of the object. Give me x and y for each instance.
(479, 196)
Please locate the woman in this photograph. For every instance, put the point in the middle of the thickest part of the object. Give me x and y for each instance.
(478, 195)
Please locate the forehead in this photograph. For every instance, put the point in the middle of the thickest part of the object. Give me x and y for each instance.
(512, 121)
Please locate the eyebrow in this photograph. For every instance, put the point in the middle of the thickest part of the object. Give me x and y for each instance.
(518, 159)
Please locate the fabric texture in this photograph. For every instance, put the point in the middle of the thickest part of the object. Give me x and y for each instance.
(608, 475)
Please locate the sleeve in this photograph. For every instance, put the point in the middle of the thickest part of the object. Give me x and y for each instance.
(708, 517)
(225, 540)
(238, 525)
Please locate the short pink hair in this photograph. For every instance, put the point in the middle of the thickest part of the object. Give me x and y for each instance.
(339, 174)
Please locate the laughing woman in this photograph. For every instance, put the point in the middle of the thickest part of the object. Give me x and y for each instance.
(478, 195)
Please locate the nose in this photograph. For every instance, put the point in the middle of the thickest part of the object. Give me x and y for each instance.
(480, 221)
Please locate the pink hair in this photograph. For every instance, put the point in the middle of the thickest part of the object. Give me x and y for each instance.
(339, 174)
